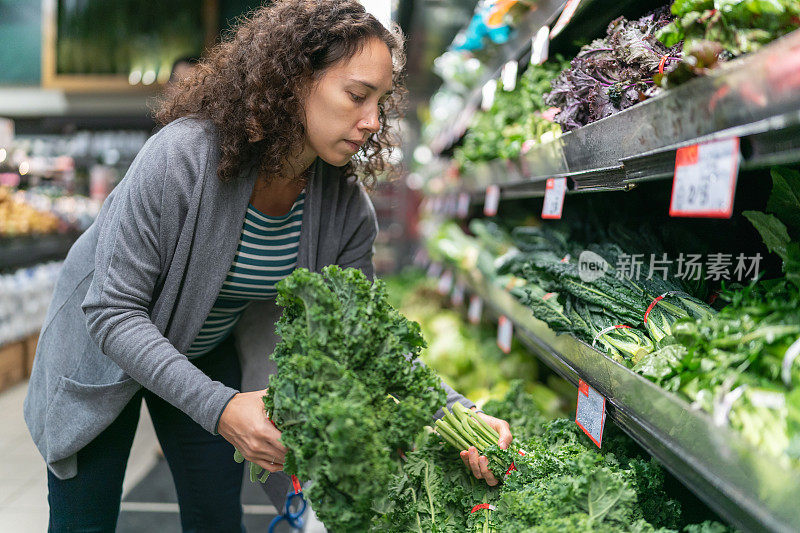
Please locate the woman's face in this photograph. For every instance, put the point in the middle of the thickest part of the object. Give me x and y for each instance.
(342, 108)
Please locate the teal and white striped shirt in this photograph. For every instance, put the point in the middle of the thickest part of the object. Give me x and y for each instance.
(266, 254)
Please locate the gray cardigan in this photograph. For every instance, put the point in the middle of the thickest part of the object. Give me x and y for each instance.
(137, 286)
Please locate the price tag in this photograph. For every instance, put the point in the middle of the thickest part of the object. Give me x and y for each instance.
(475, 310)
(705, 179)
(566, 16)
(492, 200)
(554, 192)
(505, 332)
(591, 412)
(445, 283)
(540, 46)
(509, 76)
(457, 298)
(463, 205)
(489, 90)
(434, 270)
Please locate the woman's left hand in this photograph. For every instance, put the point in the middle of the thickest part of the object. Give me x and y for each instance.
(479, 464)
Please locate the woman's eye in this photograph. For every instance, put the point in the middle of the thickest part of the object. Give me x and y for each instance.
(356, 98)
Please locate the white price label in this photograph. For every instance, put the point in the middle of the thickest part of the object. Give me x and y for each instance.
(445, 283)
(492, 200)
(591, 412)
(540, 46)
(489, 90)
(505, 332)
(475, 310)
(565, 17)
(434, 270)
(457, 297)
(554, 192)
(463, 205)
(705, 179)
(509, 76)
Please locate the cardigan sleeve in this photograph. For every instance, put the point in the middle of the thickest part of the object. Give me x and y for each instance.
(128, 261)
(358, 252)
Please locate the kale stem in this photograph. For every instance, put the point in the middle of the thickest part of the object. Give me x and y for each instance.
(430, 498)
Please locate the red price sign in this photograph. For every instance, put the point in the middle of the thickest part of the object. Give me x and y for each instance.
(505, 332)
(591, 412)
(705, 179)
(555, 190)
(492, 201)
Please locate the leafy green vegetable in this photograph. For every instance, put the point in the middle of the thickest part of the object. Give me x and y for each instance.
(739, 26)
(346, 395)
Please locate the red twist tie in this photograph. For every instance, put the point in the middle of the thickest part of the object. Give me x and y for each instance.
(296, 484)
(511, 468)
(662, 64)
(548, 296)
(652, 305)
(481, 506)
(520, 452)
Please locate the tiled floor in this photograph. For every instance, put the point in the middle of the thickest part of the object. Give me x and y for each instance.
(23, 483)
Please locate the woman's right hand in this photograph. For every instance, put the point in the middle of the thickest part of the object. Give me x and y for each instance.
(245, 425)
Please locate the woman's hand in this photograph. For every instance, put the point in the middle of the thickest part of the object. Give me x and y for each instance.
(245, 425)
(479, 464)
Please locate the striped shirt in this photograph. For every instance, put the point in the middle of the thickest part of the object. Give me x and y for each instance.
(266, 254)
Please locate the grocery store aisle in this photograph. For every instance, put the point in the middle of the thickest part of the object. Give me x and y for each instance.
(23, 483)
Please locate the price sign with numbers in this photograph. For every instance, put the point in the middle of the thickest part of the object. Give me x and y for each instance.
(505, 332)
(509, 75)
(540, 45)
(475, 309)
(705, 179)
(591, 412)
(492, 200)
(554, 192)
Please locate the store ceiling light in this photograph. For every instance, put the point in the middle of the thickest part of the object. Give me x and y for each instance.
(3, 154)
(24, 168)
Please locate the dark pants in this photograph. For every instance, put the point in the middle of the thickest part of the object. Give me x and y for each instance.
(207, 479)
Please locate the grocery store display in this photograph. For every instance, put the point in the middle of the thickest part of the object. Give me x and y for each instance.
(558, 480)
(26, 295)
(659, 325)
(20, 218)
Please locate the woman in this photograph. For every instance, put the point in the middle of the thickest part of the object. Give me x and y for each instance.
(173, 285)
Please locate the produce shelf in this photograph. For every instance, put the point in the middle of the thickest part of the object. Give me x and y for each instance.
(751, 490)
(517, 48)
(756, 98)
(22, 252)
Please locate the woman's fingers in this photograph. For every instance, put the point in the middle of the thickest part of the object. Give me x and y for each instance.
(501, 427)
(486, 474)
(473, 462)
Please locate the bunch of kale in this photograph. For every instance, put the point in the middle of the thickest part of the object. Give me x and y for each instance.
(347, 395)
(613, 73)
(563, 483)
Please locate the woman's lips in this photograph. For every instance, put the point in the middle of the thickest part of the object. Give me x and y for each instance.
(353, 146)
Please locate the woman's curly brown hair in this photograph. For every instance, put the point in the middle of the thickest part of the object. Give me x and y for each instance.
(253, 84)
